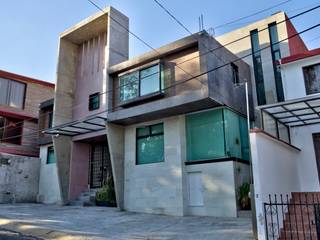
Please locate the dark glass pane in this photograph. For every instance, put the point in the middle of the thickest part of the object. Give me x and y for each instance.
(2, 126)
(129, 85)
(312, 78)
(156, 129)
(145, 131)
(51, 156)
(50, 120)
(12, 131)
(94, 101)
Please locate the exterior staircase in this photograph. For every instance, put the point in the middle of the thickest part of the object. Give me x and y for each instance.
(85, 199)
(301, 217)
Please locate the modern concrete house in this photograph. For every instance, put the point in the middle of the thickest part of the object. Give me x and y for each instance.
(285, 152)
(174, 143)
(20, 97)
(266, 76)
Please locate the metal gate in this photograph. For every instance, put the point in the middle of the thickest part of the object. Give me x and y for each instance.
(99, 165)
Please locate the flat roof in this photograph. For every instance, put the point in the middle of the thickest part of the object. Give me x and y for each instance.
(18, 77)
(295, 113)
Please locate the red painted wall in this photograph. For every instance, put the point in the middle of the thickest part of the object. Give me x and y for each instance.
(296, 44)
(79, 169)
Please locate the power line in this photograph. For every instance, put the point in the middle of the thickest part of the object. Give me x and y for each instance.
(201, 74)
(251, 15)
(179, 63)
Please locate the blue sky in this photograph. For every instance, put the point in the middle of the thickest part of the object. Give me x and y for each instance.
(30, 28)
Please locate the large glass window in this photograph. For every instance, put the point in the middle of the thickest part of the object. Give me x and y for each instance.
(150, 144)
(312, 78)
(276, 56)
(215, 134)
(205, 135)
(12, 93)
(51, 156)
(140, 83)
(10, 130)
(257, 64)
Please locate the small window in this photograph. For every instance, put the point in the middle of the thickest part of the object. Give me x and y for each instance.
(51, 156)
(150, 144)
(11, 130)
(94, 101)
(312, 78)
(50, 119)
(235, 73)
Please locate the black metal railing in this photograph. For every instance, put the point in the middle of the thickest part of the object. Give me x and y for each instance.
(297, 218)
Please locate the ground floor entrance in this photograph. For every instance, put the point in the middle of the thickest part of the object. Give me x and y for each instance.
(100, 165)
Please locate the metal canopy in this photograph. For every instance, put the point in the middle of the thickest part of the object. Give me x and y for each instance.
(90, 124)
(295, 113)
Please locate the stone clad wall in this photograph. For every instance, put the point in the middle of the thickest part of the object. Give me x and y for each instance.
(19, 178)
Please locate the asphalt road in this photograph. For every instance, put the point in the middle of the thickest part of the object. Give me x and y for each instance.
(10, 235)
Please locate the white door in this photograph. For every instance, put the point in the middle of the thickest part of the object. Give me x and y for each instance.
(195, 189)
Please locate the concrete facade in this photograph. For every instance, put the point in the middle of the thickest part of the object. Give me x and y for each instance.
(243, 47)
(19, 178)
(49, 190)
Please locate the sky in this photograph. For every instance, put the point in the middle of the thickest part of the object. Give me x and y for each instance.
(30, 28)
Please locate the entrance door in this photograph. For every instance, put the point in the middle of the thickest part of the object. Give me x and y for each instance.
(316, 142)
(195, 189)
(100, 166)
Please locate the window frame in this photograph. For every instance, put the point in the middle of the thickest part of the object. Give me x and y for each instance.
(139, 82)
(91, 103)
(50, 148)
(8, 93)
(146, 136)
(19, 135)
(304, 78)
(235, 74)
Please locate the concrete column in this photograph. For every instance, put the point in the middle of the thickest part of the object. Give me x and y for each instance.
(115, 135)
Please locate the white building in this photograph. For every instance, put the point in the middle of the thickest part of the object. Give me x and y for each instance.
(286, 153)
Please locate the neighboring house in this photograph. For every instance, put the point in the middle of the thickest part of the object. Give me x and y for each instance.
(20, 97)
(267, 84)
(174, 144)
(49, 191)
(286, 153)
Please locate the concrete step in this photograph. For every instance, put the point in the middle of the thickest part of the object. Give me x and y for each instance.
(244, 214)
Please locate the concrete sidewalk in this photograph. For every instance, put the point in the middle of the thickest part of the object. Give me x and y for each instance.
(73, 222)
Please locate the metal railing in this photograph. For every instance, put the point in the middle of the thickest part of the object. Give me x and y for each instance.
(295, 218)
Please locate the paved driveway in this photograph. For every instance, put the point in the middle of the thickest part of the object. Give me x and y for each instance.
(73, 222)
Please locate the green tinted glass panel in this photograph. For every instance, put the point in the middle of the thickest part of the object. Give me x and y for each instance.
(51, 156)
(232, 133)
(157, 129)
(149, 80)
(129, 85)
(244, 138)
(205, 135)
(145, 131)
(150, 149)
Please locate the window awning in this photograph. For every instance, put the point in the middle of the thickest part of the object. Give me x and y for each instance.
(295, 113)
(90, 124)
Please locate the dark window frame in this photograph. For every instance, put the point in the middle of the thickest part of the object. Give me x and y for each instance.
(50, 119)
(235, 73)
(257, 64)
(92, 98)
(50, 148)
(18, 131)
(275, 48)
(139, 82)
(305, 80)
(150, 134)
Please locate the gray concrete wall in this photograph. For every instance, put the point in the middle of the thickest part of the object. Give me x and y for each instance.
(156, 187)
(19, 178)
(49, 190)
(219, 193)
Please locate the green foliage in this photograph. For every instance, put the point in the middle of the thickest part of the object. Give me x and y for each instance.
(244, 198)
(107, 193)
